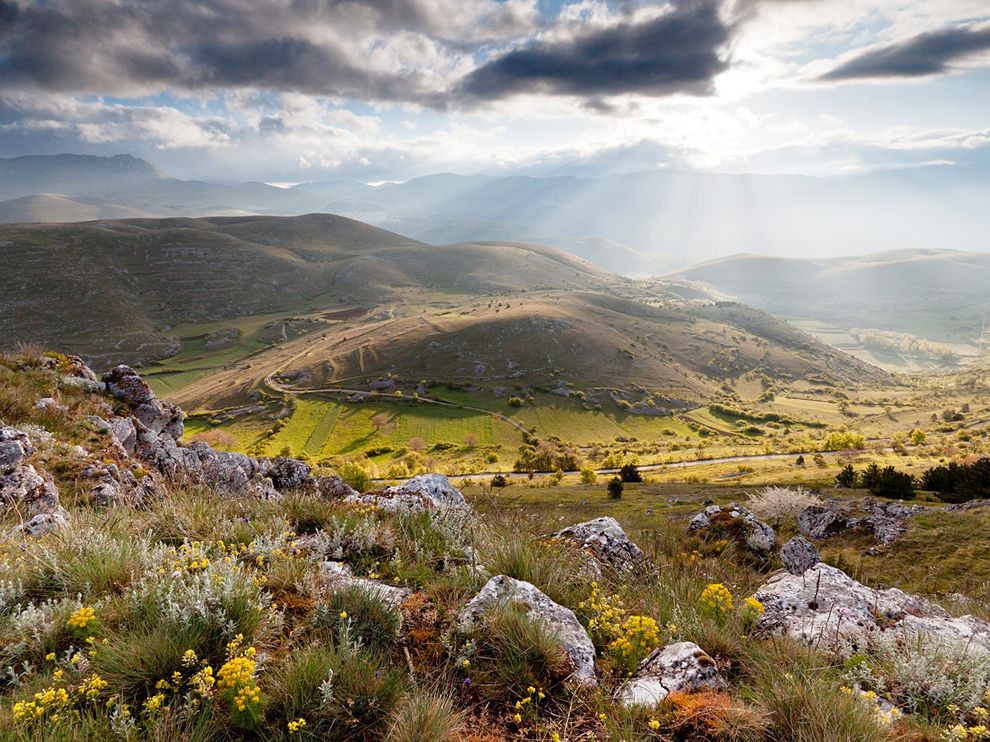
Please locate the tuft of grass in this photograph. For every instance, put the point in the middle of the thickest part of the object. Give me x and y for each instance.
(344, 692)
(427, 716)
(512, 651)
(354, 610)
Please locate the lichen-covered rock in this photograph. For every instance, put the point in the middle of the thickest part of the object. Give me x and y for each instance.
(114, 485)
(887, 521)
(821, 521)
(338, 578)
(434, 487)
(827, 609)
(559, 621)
(681, 667)
(41, 524)
(737, 523)
(605, 539)
(423, 493)
(29, 489)
(799, 555)
(125, 384)
(15, 446)
(334, 488)
(290, 474)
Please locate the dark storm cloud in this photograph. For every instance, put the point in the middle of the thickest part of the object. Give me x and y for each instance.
(680, 51)
(925, 54)
(103, 47)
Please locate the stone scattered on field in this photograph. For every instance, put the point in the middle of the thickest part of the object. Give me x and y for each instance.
(682, 667)
(799, 555)
(606, 540)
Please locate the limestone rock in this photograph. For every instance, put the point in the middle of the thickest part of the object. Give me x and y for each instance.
(606, 540)
(290, 474)
(679, 667)
(419, 494)
(334, 488)
(738, 523)
(799, 555)
(389, 595)
(15, 446)
(434, 487)
(826, 608)
(557, 619)
(41, 524)
(125, 384)
(822, 521)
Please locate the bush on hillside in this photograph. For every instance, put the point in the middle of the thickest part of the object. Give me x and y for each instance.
(959, 482)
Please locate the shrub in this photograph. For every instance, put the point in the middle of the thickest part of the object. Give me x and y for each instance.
(499, 481)
(515, 401)
(888, 482)
(843, 440)
(588, 475)
(846, 479)
(356, 475)
(357, 611)
(630, 473)
(776, 503)
(959, 482)
(615, 488)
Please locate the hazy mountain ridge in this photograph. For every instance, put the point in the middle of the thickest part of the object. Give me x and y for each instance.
(631, 223)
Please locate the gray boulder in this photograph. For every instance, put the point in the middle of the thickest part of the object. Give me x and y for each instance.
(41, 524)
(15, 446)
(827, 609)
(556, 619)
(736, 523)
(419, 494)
(125, 384)
(821, 521)
(29, 489)
(605, 539)
(799, 555)
(680, 667)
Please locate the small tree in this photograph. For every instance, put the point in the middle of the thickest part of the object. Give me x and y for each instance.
(499, 481)
(846, 479)
(471, 440)
(918, 436)
(630, 473)
(800, 461)
(615, 488)
(588, 475)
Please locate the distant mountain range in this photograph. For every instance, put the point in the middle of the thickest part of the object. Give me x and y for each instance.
(639, 223)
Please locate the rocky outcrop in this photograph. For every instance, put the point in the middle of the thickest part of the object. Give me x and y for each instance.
(125, 384)
(606, 541)
(736, 523)
(116, 485)
(27, 490)
(827, 609)
(681, 667)
(887, 521)
(419, 494)
(799, 555)
(558, 620)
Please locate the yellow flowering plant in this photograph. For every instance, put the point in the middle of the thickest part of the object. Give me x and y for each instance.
(237, 683)
(639, 635)
(716, 600)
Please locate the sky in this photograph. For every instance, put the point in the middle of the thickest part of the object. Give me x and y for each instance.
(286, 91)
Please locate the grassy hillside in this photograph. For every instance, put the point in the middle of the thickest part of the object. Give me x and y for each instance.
(113, 290)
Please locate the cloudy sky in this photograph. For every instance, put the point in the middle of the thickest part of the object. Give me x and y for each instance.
(378, 90)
